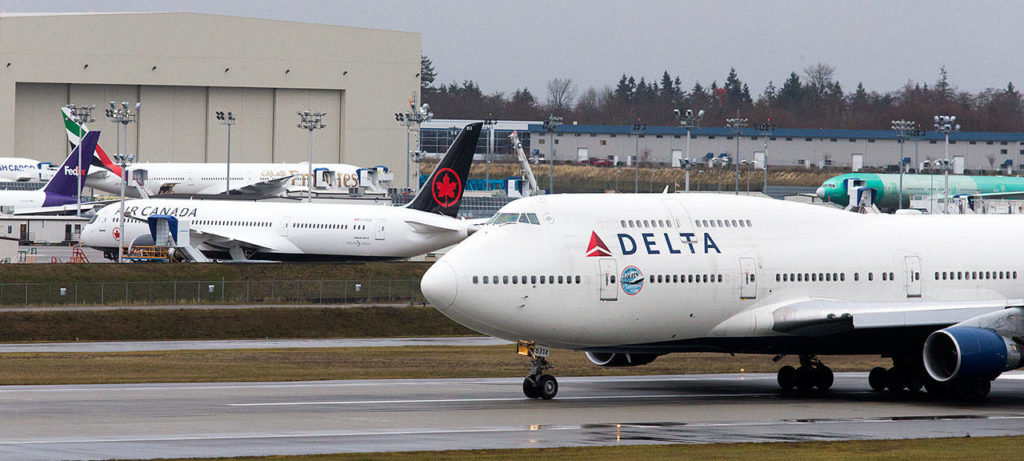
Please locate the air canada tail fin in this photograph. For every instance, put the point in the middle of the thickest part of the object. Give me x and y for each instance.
(73, 129)
(64, 181)
(442, 193)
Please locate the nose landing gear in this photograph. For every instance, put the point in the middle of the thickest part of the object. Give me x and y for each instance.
(811, 374)
(538, 385)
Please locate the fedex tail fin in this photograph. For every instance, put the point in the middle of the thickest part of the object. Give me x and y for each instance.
(65, 181)
(442, 192)
(100, 159)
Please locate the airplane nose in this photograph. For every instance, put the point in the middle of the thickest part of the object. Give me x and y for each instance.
(439, 285)
(820, 192)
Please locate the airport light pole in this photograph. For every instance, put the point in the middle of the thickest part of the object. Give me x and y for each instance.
(901, 127)
(550, 125)
(688, 121)
(310, 121)
(637, 129)
(765, 129)
(122, 115)
(946, 124)
(737, 124)
(917, 134)
(227, 119)
(81, 115)
(489, 123)
(416, 115)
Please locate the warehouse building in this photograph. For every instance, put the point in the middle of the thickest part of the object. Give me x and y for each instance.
(183, 67)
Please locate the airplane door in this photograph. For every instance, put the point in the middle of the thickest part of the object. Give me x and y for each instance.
(191, 178)
(378, 229)
(283, 230)
(913, 276)
(748, 278)
(607, 279)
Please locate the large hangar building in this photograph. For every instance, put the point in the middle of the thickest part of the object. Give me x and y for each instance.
(183, 67)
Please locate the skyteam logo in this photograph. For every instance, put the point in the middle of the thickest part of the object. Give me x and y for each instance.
(632, 280)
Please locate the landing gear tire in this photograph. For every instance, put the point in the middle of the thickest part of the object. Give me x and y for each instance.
(804, 378)
(530, 388)
(823, 378)
(878, 378)
(787, 378)
(897, 380)
(936, 389)
(547, 387)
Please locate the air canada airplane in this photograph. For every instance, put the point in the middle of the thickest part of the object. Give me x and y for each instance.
(207, 178)
(60, 191)
(628, 278)
(242, 230)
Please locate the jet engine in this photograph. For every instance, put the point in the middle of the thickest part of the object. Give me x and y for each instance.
(967, 353)
(620, 359)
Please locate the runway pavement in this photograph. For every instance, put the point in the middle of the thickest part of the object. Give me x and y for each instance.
(137, 346)
(192, 420)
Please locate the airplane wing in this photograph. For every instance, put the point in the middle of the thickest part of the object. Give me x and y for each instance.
(435, 227)
(268, 187)
(56, 210)
(821, 317)
(227, 238)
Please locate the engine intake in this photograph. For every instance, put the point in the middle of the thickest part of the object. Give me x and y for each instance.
(969, 353)
(620, 359)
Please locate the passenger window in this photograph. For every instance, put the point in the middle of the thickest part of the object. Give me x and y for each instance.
(696, 223)
(936, 276)
(476, 279)
(719, 223)
(622, 223)
(559, 279)
(842, 276)
(705, 278)
(515, 279)
(613, 280)
(726, 223)
(630, 223)
(734, 223)
(705, 222)
(578, 280)
(486, 279)
(675, 278)
(504, 279)
(542, 280)
(533, 279)
(494, 279)
(871, 276)
(883, 276)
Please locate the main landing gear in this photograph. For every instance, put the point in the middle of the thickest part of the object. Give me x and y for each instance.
(811, 374)
(908, 375)
(538, 385)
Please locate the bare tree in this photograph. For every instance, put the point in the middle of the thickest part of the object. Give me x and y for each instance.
(561, 93)
(820, 76)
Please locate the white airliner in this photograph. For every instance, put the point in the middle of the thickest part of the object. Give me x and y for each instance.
(627, 278)
(209, 178)
(15, 169)
(60, 192)
(244, 230)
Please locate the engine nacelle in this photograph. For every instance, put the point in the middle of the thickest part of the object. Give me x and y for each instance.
(620, 359)
(969, 353)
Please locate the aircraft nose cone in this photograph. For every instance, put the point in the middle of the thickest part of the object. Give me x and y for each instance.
(820, 192)
(439, 285)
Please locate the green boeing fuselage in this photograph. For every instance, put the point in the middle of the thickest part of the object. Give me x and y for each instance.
(887, 187)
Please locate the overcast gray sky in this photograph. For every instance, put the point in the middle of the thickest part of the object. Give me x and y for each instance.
(505, 45)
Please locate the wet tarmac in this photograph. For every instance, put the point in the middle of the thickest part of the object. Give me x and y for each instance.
(225, 419)
(137, 346)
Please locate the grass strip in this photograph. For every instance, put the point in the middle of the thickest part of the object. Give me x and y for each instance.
(180, 324)
(930, 449)
(254, 365)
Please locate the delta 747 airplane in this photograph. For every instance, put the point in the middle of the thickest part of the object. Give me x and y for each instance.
(205, 178)
(61, 190)
(307, 231)
(627, 278)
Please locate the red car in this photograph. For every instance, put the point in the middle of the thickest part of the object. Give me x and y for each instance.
(597, 162)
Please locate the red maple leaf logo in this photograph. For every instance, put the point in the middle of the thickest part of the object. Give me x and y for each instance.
(448, 188)
(597, 246)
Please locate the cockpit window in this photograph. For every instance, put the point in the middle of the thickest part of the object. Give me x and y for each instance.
(508, 218)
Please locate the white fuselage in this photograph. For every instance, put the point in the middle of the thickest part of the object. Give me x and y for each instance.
(210, 178)
(287, 231)
(709, 264)
(13, 169)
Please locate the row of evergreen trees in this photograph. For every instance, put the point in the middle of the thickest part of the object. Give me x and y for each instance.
(811, 100)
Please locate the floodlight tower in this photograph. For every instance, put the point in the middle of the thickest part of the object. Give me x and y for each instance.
(737, 124)
(416, 115)
(946, 124)
(489, 123)
(765, 129)
(550, 125)
(637, 129)
(82, 115)
(310, 121)
(902, 128)
(122, 115)
(227, 119)
(688, 121)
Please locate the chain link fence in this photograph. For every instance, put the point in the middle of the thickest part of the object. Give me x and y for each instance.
(213, 292)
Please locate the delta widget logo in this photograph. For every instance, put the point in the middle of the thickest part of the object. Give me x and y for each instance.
(632, 280)
(446, 187)
(597, 247)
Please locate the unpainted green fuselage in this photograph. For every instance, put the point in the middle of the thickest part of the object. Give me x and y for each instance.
(887, 187)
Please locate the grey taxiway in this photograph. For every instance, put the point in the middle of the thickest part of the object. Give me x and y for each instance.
(232, 419)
